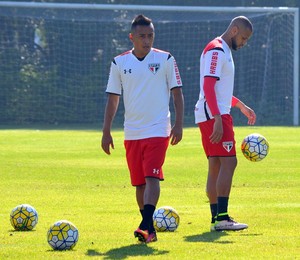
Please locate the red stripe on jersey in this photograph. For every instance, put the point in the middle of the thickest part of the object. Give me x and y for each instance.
(158, 50)
(125, 53)
(216, 43)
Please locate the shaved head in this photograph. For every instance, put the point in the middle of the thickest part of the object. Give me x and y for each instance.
(241, 22)
(238, 32)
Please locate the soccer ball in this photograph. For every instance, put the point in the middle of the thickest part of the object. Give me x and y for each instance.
(62, 235)
(255, 147)
(23, 217)
(165, 219)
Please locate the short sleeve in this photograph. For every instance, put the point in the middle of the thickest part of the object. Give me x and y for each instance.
(213, 63)
(173, 75)
(114, 84)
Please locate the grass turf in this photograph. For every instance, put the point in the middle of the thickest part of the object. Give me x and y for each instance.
(65, 175)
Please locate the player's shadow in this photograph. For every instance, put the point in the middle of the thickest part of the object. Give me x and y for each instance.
(128, 251)
(208, 237)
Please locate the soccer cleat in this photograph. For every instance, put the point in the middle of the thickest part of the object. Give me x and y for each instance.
(142, 235)
(229, 224)
(212, 225)
(151, 238)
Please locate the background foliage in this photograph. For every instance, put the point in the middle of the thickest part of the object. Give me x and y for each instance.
(289, 3)
(39, 65)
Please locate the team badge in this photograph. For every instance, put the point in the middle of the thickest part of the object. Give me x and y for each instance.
(154, 67)
(228, 146)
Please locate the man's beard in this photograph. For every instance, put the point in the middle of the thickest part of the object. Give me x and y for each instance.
(234, 45)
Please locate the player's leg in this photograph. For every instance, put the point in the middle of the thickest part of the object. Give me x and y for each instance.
(154, 152)
(224, 181)
(212, 177)
(151, 196)
(206, 129)
(134, 162)
(227, 156)
(223, 186)
(139, 193)
(228, 162)
(219, 181)
(134, 159)
(211, 187)
(152, 191)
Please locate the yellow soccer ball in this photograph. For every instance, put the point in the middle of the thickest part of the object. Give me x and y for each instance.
(23, 217)
(165, 218)
(255, 147)
(62, 235)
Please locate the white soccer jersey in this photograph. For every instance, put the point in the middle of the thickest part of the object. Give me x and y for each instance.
(216, 61)
(146, 86)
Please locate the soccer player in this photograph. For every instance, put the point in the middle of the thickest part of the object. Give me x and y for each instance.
(145, 76)
(212, 114)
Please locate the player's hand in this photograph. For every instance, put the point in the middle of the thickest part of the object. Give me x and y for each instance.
(176, 135)
(107, 142)
(217, 133)
(249, 113)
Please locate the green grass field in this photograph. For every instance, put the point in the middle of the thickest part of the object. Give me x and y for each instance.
(65, 175)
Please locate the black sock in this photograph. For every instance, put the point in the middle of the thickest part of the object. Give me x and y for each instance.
(214, 211)
(222, 208)
(141, 211)
(147, 222)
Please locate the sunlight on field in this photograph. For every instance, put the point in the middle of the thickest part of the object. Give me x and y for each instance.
(65, 175)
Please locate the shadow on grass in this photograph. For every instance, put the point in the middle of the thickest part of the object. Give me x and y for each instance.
(12, 231)
(208, 237)
(127, 251)
(251, 235)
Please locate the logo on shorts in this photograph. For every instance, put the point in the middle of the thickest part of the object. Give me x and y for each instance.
(154, 67)
(156, 171)
(228, 146)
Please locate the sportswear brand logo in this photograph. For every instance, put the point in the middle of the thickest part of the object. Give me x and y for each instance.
(156, 171)
(154, 67)
(127, 71)
(228, 146)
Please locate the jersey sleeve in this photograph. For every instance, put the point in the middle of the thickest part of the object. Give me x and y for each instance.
(114, 84)
(210, 95)
(234, 101)
(214, 60)
(173, 75)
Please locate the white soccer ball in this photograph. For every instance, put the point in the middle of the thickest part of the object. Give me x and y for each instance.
(62, 235)
(23, 217)
(165, 219)
(255, 147)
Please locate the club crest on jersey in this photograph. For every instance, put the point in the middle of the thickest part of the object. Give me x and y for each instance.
(154, 67)
(228, 146)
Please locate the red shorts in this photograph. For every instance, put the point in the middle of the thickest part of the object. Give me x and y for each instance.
(226, 147)
(145, 158)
